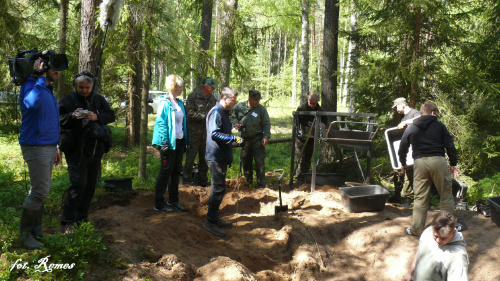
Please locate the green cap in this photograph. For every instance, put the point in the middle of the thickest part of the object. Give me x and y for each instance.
(209, 81)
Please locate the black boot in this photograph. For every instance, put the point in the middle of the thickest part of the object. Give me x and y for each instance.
(28, 219)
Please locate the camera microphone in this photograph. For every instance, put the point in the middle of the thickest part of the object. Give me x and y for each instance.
(110, 10)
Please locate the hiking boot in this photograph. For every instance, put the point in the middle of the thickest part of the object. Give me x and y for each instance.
(28, 218)
(177, 206)
(164, 210)
(224, 224)
(67, 228)
(394, 198)
(408, 231)
(187, 181)
(214, 229)
(461, 227)
(407, 202)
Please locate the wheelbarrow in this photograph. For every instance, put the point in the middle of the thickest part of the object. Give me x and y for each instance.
(280, 208)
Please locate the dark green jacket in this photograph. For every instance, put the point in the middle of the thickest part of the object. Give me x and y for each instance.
(197, 108)
(255, 120)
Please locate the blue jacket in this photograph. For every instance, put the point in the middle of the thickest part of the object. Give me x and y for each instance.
(40, 113)
(219, 137)
(164, 130)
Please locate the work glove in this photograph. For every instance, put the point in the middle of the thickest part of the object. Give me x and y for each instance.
(164, 147)
(237, 140)
(401, 125)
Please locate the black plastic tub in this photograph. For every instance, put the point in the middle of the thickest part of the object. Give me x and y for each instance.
(334, 179)
(364, 198)
(494, 202)
(117, 185)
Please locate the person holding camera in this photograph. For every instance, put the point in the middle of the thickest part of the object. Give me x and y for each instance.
(39, 136)
(170, 136)
(84, 140)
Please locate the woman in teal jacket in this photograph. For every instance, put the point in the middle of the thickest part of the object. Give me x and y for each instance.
(170, 137)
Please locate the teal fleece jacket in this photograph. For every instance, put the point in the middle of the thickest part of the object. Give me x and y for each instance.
(164, 130)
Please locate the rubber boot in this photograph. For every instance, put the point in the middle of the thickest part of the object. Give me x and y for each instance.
(37, 228)
(28, 219)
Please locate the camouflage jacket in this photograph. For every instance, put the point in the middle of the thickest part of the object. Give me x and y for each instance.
(255, 120)
(197, 108)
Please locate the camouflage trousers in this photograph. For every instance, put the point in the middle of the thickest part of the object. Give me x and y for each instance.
(405, 188)
(253, 150)
(197, 146)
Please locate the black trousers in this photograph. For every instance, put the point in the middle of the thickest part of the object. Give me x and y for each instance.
(83, 173)
(170, 171)
(218, 173)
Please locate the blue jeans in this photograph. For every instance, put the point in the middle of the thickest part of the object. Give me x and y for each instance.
(40, 160)
(218, 173)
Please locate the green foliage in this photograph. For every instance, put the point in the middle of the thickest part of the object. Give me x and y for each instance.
(484, 188)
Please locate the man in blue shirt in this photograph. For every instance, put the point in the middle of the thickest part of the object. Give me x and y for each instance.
(39, 136)
(219, 155)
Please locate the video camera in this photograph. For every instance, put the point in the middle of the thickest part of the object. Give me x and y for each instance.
(21, 66)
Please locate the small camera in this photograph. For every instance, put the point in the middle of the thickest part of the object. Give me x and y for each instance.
(81, 114)
(21, 66)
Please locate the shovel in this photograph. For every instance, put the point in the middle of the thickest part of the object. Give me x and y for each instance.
(280, 208)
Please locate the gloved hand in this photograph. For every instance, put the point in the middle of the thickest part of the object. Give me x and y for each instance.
(401, 125)
(164, 147)
(237, 140)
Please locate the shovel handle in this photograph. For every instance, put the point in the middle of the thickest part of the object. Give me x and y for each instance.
(280, 171)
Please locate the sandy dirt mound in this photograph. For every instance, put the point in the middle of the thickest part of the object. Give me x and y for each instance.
(317, 239)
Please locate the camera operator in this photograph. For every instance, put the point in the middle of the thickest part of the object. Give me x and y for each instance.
(81, 113)
(39, 136)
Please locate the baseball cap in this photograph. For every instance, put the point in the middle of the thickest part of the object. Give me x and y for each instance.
(209, 81)
(399, 101)
(254, 94)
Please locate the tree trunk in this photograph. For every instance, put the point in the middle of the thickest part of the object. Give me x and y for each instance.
(89, 47)
(269, 64)
(205, 32)
(415, 64)
(352, 59)
(330, 55)
(294, 75)
(304, 44)
(227, 44)
(134, 88)
(284, 60)
(146, 81)
(63, 28)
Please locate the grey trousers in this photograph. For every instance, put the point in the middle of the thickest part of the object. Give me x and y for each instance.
(428, 170)
(40, 160)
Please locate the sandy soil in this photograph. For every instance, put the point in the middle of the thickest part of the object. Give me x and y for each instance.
(317, 239)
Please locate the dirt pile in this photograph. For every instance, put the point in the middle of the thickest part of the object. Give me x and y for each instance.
(317, 239)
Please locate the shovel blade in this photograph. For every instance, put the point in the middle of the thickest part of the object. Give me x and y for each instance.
(279, 209)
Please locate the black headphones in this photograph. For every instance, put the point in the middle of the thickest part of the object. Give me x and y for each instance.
(82, 73)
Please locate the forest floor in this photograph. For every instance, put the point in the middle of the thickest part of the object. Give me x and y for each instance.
(317, 239)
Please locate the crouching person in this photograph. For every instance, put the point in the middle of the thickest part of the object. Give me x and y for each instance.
(441, 252)
(84, 140)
